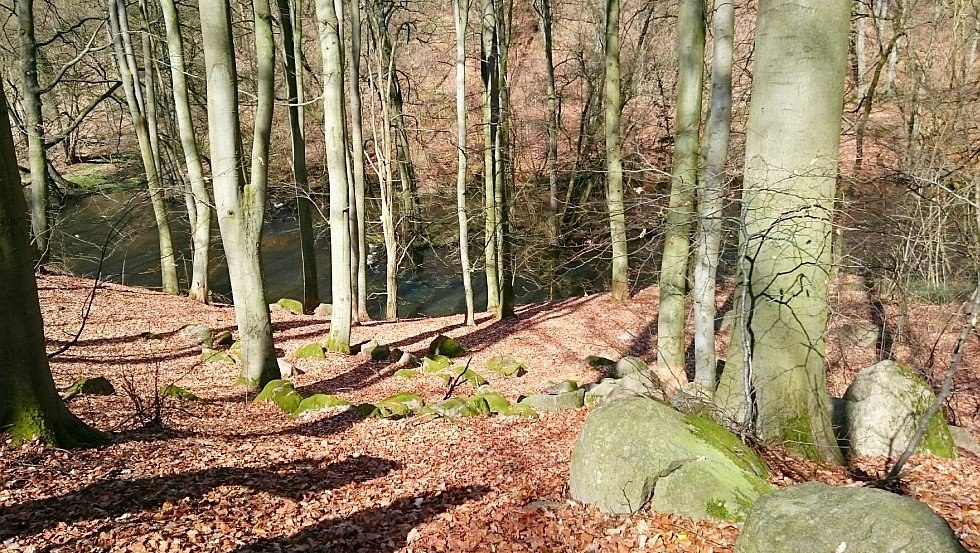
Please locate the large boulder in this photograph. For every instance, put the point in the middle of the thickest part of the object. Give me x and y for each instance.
(882, 408)
(818, 517)
(638, 450)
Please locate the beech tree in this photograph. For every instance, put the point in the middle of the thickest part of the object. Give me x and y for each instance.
(331, 44)
(673, 268)
(199, 209)
(461, 13)
(614, 157)
(30, 407)
(774, 383)
(241, 205)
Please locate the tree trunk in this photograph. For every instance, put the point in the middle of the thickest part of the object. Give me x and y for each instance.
(36, 152)
(461, 12)
(614, 157)
(331, 44)
(126, 62)
(30, 408)
(546, 19)
(240, 205)
(791, 157)
(201, 206)
(488, 65)
(673, 268)
(712, 193)
(502, 164)
(290, 18)
(357, 160)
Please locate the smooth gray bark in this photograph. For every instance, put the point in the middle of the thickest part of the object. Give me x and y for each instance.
(357, 160)
(240, 205)
(201, 201)
(614, 157)
(331, 44)
(546, 21)
(461, 13)
(791, 165)
(680, 212)
(711, 193)
(489, 68)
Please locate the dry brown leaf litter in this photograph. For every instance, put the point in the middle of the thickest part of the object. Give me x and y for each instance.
(231, 475)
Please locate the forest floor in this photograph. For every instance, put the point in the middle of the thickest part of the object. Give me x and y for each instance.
(232, 475)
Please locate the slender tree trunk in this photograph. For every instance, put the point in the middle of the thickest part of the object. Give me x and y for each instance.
(461, 12)
(36, 152)
(357, 160)
(712, 193)
(488, 64)
(331, 43)
(673, 269)
(546, 19)
(240, 205)
(502, 163)
(614, 157)
(126, 61)
(791, 157)
(860, 48)
(290, 18)
(201, 204)
(30, 408)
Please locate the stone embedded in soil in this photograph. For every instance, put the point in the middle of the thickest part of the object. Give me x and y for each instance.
(444, 345)
(312, 350)
(95, 386)
(319, 402)
(506, 365)
(323, 311)
(283, 394)
(555, 402)
(562, 387)
(293, 306)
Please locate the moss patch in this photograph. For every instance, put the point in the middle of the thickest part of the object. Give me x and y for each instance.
(310, 351)
(444, 345)
(293, 306)
(176, 392)
(319, 402)
(283, 394)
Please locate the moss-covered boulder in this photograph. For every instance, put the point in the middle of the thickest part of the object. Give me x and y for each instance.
(176, 392)
(555, 402)
(457, 407)
(638, 450)
(312, 350)
(203, 336)
(505, 365)
(817, 517)
(595, 361)
(283, 394)
(435, 364)
(95, 386)
(323, 311)
(320, 402)
(293, 306)
(381, 353)
(521, 410)
(465, 374)
(882, 408)
(399, 405)
(444, 345)
(496, 401)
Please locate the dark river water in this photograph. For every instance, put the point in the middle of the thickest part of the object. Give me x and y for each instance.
(115, 236)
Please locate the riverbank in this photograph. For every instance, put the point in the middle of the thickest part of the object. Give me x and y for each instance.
(231, 475)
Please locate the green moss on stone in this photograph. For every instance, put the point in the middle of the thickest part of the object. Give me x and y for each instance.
(728, 443)
(293, 306)
(435, 364)
(444, 345)
(318, 402)
(312, 350)
(176, 392)
(798, 436)
(406, 374)
(283, 394)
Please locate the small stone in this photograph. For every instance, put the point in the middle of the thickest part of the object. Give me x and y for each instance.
(406, 374)
(293, 306)
(560, 402)
(320, 402)
(562, 387)
(176, 392)
(286, 369)
(597, 392)
(964, 440)
(597, 361)
(203, 336)
(368, 347)
(406, 359)
(282, 393)
(444, 345)
(435, 364)
(216, 356)
(506, 365)
(628, 365)
(96, 386)
(223, 338)
(312, 350)
(323, 311)
(862, 334)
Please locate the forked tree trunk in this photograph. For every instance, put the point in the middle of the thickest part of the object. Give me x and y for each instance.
(461, 12)
(290, 18)
(614, 157)
(712, 193)
(201, 205)
(791, 164)
(240, 205)
(680, 212)
(331, 44)
(126, 62)
(30, 408)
